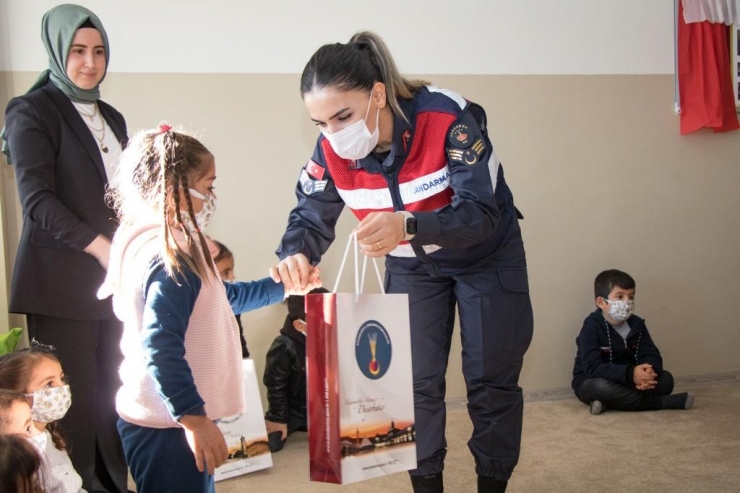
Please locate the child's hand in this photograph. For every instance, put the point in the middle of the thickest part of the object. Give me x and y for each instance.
(314, 281)
(644, 377)
(297, 275)
(281, 427)
(206, 441)
(295, 272)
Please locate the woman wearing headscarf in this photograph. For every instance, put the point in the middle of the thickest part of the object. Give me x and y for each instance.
(62, 141)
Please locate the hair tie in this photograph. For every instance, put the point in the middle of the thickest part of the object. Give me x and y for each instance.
(38, 346)
(163, 128)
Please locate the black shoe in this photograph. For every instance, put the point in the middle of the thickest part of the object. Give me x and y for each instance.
(275, 440)
(428, 484)
(487, 484)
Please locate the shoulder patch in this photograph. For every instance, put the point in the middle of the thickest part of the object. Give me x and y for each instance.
(464, 156)
(310, 186)
(465, 140)
(460, 136)
(313, 169)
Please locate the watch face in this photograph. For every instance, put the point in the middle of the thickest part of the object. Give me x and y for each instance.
(411, 226)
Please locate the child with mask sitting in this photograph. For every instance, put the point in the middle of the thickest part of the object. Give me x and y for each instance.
(37, 373)
(15, 414)
(617, 365)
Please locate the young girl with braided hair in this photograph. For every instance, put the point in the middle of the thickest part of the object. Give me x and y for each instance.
(182, 357)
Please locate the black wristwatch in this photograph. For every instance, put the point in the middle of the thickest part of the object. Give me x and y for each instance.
(409, 225)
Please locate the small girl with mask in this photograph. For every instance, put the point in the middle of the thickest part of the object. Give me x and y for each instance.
(38, 373)
(15, 414)
(20, 465)
(182, 360)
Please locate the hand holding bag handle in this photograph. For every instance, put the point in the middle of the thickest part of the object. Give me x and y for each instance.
(359, 280)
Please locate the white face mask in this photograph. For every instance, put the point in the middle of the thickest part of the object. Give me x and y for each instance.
(39, 441)
(50, 403)
(620, 310)
(355, 141)
(204, 216)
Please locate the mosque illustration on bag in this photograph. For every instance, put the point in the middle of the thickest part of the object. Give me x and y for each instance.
(363, 443)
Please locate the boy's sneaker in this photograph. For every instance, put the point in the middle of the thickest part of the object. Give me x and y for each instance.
(683, 400)
(597, 408)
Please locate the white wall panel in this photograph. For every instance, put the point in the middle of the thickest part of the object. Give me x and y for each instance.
(426, 37)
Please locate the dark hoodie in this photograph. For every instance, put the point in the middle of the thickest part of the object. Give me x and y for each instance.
(285, 376)
(596, 345)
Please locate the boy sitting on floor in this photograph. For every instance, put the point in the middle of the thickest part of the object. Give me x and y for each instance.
(617, 365)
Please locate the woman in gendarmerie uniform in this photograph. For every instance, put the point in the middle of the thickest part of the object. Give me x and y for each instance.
(414, 163)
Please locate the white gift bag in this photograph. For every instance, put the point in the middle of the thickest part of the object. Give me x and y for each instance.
(360, 385)
(245, 434)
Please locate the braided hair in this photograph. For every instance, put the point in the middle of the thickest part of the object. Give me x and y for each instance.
(154, 178)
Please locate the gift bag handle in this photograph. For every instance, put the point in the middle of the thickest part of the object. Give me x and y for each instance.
(359, 281)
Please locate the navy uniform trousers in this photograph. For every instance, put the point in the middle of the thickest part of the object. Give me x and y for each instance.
(496, 325)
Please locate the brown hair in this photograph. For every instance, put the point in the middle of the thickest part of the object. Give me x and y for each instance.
(7, 399)
(155, 171)
(357, 66)
(607, 280)
(20, 465)
(223, 252)
(16, 369)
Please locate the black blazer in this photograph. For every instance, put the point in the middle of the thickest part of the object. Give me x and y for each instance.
(61, 184)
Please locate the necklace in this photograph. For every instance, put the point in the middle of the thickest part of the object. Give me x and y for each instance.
(94, 131)
(90, 116)
(609, 338)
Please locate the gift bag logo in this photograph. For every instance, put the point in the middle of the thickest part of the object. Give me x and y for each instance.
(373, 350)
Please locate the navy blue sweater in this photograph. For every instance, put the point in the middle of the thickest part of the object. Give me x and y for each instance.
(602, 353)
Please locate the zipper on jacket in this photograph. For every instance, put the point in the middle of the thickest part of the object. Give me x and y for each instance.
(391, 177)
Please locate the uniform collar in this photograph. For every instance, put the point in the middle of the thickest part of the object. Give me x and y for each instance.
(400, 144)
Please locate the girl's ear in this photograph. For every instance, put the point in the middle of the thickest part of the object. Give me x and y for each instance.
(379, 95)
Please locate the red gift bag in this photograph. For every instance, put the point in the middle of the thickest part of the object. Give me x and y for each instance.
(360, 386)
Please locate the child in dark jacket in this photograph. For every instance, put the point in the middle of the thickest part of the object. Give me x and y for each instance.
(285, 376)
(618, 366)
